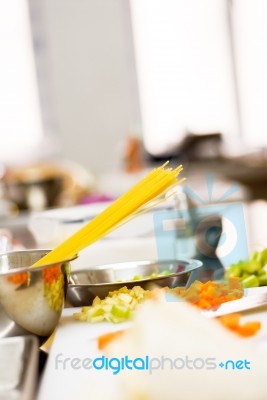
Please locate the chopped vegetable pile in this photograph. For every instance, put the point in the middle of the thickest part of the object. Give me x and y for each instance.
(120, 304)
(116, 307)
(232, 322)
(211, 295)
(252, 272)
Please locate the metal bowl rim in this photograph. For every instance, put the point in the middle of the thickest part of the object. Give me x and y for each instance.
(196, 264)
(30, 268)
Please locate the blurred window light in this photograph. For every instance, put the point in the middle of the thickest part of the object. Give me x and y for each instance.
(20, 115)
(185, 70)
(201, 68)
(250, 43)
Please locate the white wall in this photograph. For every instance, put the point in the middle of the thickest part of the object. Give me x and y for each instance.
(89, 53)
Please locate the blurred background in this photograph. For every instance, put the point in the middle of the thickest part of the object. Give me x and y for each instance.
(94, 93)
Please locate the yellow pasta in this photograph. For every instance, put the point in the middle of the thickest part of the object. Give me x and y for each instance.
(146, 193)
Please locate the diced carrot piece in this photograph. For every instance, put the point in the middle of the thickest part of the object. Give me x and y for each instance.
(107, 338)
(210, 292)
(249, 328)
(230, 321)
(19, 278)
(216, 302)
(204, 304)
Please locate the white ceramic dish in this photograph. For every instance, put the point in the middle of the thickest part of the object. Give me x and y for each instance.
(79, 340)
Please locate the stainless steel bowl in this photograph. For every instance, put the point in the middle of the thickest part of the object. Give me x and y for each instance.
(31, 299)
(88, 283)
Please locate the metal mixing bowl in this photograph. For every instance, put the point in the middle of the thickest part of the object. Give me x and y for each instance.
(88, 283)
(31, 299)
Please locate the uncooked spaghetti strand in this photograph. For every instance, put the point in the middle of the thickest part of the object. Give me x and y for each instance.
(73, 247)
(150, 188)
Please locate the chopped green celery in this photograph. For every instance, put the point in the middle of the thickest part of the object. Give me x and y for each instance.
(241, 263)
(151, 276)
(250, 271)
(137, 278)
(263, 280)
(133, 304)
(80, 316)
(116, 307)
(87, 308)
(96, 301)
(251, 281)
(107, 307)
(126, 298)
(114, 320)
(261, 272)
(263, 256)
(137, 290)
(234, 271)
(120, 312)
(244, 276)
(110, 300)
(98, 311)
(252, 266)
(255, 256)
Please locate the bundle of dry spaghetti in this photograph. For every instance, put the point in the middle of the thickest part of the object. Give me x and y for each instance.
(143, 196)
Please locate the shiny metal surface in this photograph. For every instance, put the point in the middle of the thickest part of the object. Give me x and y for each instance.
(18, 368)
(31, 299)
(86, 284)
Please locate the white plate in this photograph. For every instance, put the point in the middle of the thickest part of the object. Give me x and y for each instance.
(79, 340)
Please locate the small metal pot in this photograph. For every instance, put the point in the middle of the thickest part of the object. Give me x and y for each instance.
(34, 195)
(31, 299)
